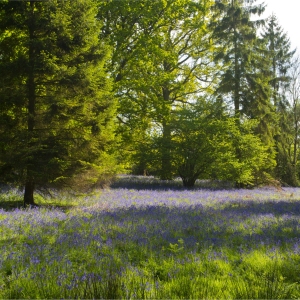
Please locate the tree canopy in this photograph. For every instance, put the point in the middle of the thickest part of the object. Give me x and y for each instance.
(56, 108)
(188, 88)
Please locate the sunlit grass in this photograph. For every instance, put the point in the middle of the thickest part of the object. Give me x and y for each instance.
(141, 244)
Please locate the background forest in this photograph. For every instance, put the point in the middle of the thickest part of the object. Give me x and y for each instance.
(197, 89)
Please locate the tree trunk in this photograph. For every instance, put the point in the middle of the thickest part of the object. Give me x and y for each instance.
(236, 81)
(28, 194)
(236, 93)
(166, 167)
(295, 146)
(29, 184)
(189, 182)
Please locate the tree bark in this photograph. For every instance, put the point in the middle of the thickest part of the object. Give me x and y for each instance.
(28, 194)
(189, 182)
(29, 182)
(166, 167)
(236, 73)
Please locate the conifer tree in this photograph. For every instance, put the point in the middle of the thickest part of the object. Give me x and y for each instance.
(279, 48)
(246, 73)
(56, 108)
(235, 34)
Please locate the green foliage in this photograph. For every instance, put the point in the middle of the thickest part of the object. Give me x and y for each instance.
(243, 157)
(280, 54)
(171, 38)
(207, 143)
(235, 36)
(247, 73)
(56, 107)
(74, 75)
(195, 149)
(279, 47)
(210, 145)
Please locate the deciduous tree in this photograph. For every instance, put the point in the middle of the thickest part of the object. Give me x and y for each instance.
(162, 57)
(205, 142)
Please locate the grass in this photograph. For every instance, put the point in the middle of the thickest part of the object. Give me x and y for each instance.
(142, 243)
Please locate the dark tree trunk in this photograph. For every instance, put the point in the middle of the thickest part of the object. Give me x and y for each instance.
(29, 184)
(188, 174)
(236, 78)
(189, 182)
(166, 166)
(28, 194)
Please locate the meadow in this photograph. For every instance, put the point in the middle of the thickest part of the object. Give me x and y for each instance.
(146, 239)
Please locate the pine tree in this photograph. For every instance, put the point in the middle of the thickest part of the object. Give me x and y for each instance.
(246, 67)
(56, 108)
(235, 34)
(279, 47)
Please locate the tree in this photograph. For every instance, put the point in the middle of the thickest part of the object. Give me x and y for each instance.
(246, 73)
(205, 142)
(161, 58)
(194, 127)
(56, 108)
(288, 144)
(279, 46)
(127, 27)
(280, 53)
(244, 80)
(235, 34)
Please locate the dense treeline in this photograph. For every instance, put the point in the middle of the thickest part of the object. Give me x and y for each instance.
(189, 88)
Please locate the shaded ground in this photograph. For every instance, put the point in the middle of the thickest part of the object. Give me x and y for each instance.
(152, 183)
(10, 205)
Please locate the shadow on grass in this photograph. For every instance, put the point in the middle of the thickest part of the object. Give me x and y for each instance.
(11, 205)
(11, 198)
(18, 204)
(61, 207)
(278, 208)
(252, 225)
(152, 183)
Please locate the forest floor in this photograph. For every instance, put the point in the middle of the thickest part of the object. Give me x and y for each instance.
(146, 239)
